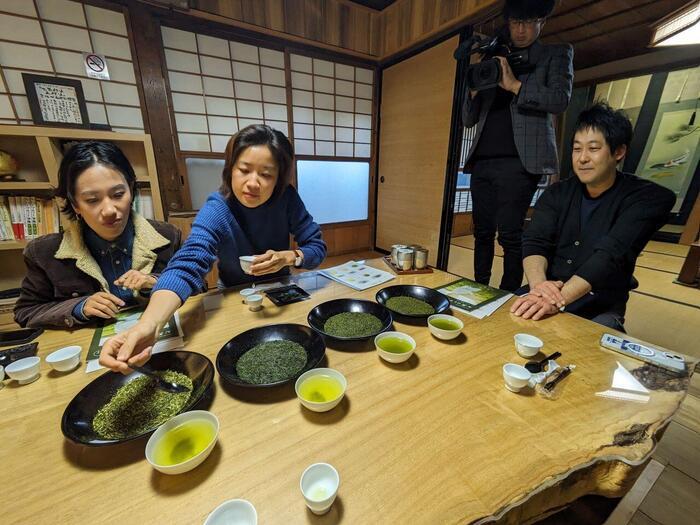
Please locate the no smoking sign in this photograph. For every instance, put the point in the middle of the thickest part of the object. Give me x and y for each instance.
(96, 66)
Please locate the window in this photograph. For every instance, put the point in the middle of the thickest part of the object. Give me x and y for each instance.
(220, 86)
(332, 108)
(204, 177)
(334, 191)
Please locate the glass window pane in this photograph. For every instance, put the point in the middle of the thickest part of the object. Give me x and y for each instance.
(334, 191)
(204, 176)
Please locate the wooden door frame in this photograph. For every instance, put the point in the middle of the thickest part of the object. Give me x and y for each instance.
(456, 130)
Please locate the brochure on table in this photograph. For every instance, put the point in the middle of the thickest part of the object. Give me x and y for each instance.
(357, 275)
(475, 299)
(170, 337)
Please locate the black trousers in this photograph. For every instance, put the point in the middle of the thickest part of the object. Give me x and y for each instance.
(501, 194)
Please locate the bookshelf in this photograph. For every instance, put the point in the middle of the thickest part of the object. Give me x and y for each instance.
(39, 153)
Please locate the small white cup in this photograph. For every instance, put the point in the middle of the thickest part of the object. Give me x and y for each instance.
(516, 377)
(441, 333)
(392, 357)
(527, 345)
(64, 359)
(247, 292)
(319, 485)
(246, 262)
(185, 418)
(323, 406)
(233, 512)
(254, 302)
(24, 371)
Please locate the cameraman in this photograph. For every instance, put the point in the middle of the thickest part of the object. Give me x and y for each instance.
(515, 142)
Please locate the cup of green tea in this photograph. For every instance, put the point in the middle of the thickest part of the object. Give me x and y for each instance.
(395, 347)
(444, 326)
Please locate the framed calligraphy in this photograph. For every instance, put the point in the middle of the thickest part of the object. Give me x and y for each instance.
(56, 101)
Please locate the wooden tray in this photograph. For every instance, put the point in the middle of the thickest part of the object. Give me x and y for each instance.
(398, 271)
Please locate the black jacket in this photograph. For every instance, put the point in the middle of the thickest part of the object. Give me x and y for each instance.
(544, 92)
(605, 252)
(61, 272)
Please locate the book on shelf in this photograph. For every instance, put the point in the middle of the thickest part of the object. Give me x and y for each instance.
(143, 203)
(27, 217)
(6, 230)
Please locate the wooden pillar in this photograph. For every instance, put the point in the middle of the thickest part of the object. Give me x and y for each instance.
(147, 49)
(692, 226)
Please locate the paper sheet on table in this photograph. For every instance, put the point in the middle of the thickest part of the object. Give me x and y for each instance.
(625, 387)
(357, 275)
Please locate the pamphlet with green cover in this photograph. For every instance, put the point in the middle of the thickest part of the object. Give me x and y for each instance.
(170, 336)
(469, 295)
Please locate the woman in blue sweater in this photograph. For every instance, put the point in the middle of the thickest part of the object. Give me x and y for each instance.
(253, 213)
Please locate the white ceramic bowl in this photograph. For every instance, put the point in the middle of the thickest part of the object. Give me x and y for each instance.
(393, 357)
(441, 333)
(516, 377)
(246, 262)
(25, 370)
(233, 512)
(527, 345)
(64, 359)
(254, 301)
(247, 292)
(319, 485)
(321, 406)
(182, 419)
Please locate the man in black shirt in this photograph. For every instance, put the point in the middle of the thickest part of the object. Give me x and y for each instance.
(581, 246)
(515, 141)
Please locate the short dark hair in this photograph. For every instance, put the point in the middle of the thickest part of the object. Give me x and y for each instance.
(258, 135)
(528, 9)
(82, 156)
(615, 125)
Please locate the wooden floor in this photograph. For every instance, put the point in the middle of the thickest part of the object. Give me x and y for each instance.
(667, 314)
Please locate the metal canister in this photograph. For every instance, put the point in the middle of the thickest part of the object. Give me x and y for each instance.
(420, 259)
(405, 258)
(394, 253)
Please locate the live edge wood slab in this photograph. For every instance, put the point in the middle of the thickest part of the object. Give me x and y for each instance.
(437, 439)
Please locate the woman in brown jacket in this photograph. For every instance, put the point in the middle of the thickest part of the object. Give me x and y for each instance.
(107, 254)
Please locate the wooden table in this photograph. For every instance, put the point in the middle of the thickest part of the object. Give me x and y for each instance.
(437, 439)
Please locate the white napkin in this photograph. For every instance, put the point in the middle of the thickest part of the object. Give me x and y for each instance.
(625, 387)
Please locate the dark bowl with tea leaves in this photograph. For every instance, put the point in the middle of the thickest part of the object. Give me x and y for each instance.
(412, 301)
(269, 356)
(350, 319)
(80, 424)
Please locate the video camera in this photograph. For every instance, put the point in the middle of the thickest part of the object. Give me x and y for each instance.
(487, 73)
